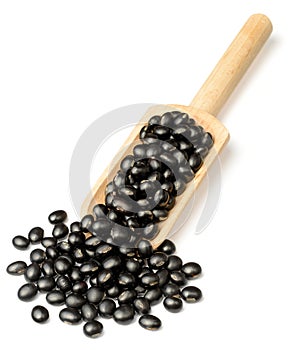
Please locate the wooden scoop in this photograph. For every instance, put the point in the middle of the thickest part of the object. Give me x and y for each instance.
(204, 108)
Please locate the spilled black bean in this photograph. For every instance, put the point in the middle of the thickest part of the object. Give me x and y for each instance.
(20, 242)
(27, 292)
(57, 217)
(70, 316)
(191, 294)
(150, 322)
(93, 329)
(173, 304)
(35, 235)
(106, 308)
(40, 314)
(16, 268)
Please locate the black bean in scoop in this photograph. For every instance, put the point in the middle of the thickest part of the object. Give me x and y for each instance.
(150, 322)
(35, 235)
(16, 268)
(60, 231)
(32, 272)
(124, 314)
(27, 292)
(57, 217)
(107, 308)
(70, 316)
(20, 242)
(191, 294)
(191, 270)
(40, 314)
(56, 297)
(93, 329)
(173, 304)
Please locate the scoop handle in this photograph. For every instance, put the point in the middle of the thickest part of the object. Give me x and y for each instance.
(233, 64)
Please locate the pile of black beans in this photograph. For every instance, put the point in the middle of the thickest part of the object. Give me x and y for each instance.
(144, 189)
(94, 279)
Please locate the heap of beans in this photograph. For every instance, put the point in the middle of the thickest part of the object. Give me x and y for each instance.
(105, 265)
(145, 187)
(93, 278)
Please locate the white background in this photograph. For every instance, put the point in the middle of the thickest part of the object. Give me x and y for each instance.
(65, 63)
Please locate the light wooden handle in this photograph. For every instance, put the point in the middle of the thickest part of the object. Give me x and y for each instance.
(233, 64)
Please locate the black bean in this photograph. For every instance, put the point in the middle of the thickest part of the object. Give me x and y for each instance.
(164, 277)
(179, 186)
(64, 247)
(76, 274)
(101, 227)
(64, 283)
(35, 235)
(86, 223)
(47, 268)
(60, 231)
(90, 267)
(88, 312)
(32, 272)
(174, 263)
(178, 278)
(171, 289)
(191, 270)
(75, 226)
(103, 250)
(191, 294)
(37, 256)
(56, 297)
(27, 292)
(40, 314)
(182, 118)
(160, 214)
(75, 300)
(150, 322)
(80, 254)
(140, 289)
(195, 162)
(139, 151)
(126, 280)
(154, 296)
(95, 295)
(127, 296)
(127, 163)
(124, 314)
(150, 280)
(93, 329)
(92, 242)
(145, 248)
(48, 241)
(113, 291)
(142, 305)
(158, 260)
(76, 238)
(113, 263)
(20, 242)
(70, 316)
(120, 234)
(105, 278)
(107, 308)
(156, 119)
(62, 265)
(52, 252)
(133, 266)
(16, 268)
(57, 217)
(80, 287)
(173, 304)
(167, 247)
(46, 284)
(100, 211)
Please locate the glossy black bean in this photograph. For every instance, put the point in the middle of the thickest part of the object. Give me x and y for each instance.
(35, 235)
(140, 289)
(174, 263)
(150, 280)
(75, 300)
(93, 329)
(115, 217)
(46, 284)
(76, 275)
(145, 248)
(127, 251)
(163, 132)
(88, 312)
(133, 266)
(160, 214)
(52, 252)
(16, 268)
(127, 163)
(191, 270)
(127, 296)
(139, 151)
(191, 294)
(113, 263)
(150, 322)
(60, 231)
(195, 162)
(207, 140)
(107, 308)
(120, 234)
(27, 292)
(100, 211)
(20, 242)
(158, 260)
(80, 255)
(171, 289)
(92, 242)
(32, 272)
(173, 304)
(86, 223)
(154, 296)
(40, 314)
(76, 238)
(119, 179)
(57, 217)
(142, 305)
(168, 247)
(75, 226)
(64, 247)
(37, 255)
(156, 165)
(113, 291)
(182, 118)
(48, 242)
(105, 278)
(56, 297)
(179, 186)
(101, 227)
(64, 283)
(94, 295)
(80, 287)
(202, 151)
(126, 280)
(186, 173)
(156, 119)
(90, 267)
(178, 278)
(104, 250)
(164, 277)
(70, 316)
(47, 268)
(62, 265)
(124, 314)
